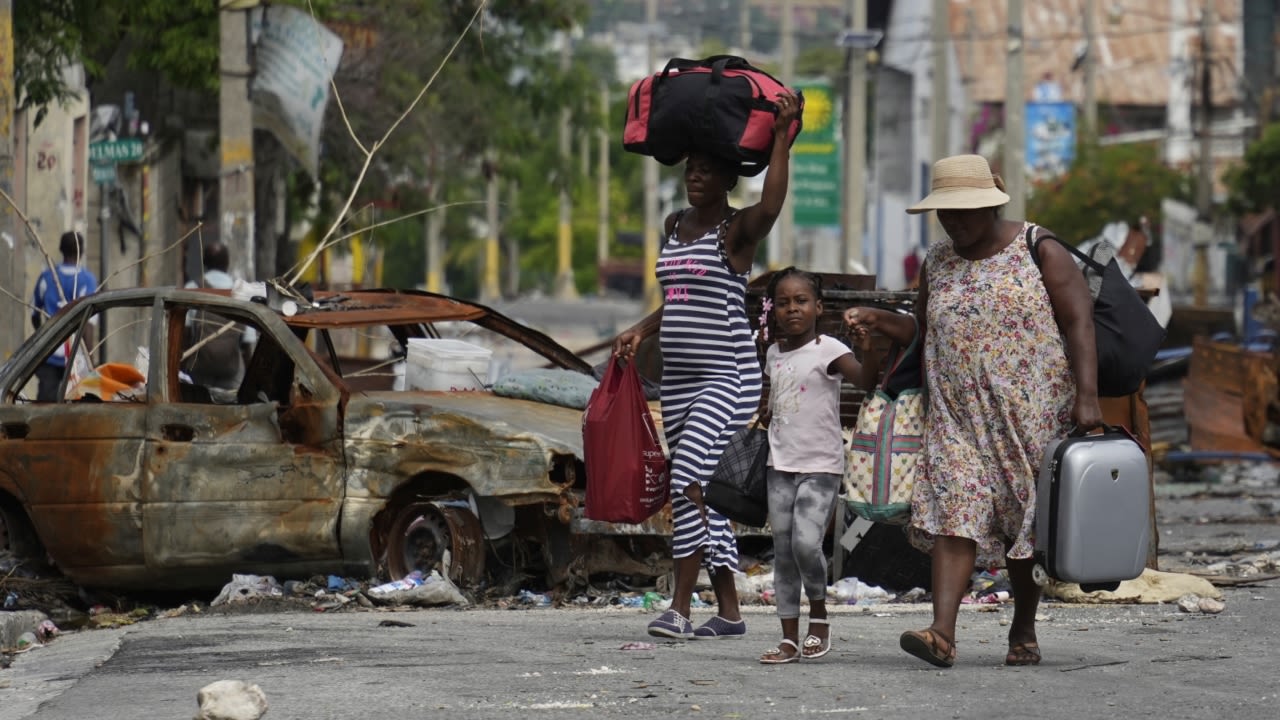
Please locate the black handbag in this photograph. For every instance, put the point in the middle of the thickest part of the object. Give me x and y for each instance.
(1127, 335)
(738, 489)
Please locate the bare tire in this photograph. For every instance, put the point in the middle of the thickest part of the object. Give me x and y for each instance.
(421, 533)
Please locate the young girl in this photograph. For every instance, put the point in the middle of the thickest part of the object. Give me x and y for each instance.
(806, 451)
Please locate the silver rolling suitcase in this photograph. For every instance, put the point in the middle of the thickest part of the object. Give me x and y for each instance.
(1093, 510)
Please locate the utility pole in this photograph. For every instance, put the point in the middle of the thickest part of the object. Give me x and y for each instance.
(649, 280)
(855, 142)
(1015, 99)
(565, 289)
(940, 118)
(434, 229)
(513, 245)
(490, 290)
(1090, 70)
(1204, 185)
(1203, 234)
(744, 25)
(12, 238)
(602, 187)
(235, 125)
(787, 223)
(971, 42)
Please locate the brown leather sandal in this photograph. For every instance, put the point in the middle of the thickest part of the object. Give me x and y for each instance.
(1023, 654)
(928, 645)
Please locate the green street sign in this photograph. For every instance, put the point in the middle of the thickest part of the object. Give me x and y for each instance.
(815, 190)
(815, 160)
(128, 150)
(103, 174)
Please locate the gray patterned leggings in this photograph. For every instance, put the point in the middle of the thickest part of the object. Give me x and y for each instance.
(799, 508)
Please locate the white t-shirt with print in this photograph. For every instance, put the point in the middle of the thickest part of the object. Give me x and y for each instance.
(804, 434)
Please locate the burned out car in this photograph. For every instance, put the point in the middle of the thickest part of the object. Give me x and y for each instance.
(312, 461)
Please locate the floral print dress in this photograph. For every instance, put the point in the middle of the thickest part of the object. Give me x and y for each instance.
(1000, 389)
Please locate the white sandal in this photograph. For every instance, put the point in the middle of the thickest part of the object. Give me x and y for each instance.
(813, 642)
(777, 656)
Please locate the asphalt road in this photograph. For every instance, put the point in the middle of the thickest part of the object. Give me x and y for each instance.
(1119, 661)
(1131, 661)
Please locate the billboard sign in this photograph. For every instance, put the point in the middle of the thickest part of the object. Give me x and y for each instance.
(1051, 139)
(815, 160)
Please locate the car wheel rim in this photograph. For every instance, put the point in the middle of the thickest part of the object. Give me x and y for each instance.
(422, 533)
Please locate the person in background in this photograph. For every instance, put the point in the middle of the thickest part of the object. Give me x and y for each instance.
(220, 362)
(806, 451)
(711, 380)
(54, 289)
(911, 267)
(1011, 365)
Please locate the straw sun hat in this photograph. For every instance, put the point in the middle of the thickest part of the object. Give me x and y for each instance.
(961, 182)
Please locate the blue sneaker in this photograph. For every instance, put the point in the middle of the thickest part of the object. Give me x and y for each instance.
(717, 628)
(672, 624)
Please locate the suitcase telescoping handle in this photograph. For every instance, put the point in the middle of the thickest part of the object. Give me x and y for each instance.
(1107, 429)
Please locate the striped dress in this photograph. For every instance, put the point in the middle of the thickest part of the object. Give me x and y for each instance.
(711, 381)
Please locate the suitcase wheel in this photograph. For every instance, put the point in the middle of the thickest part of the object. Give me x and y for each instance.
(1039, 575)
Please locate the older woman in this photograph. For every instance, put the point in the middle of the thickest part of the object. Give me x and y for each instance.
(1010, 365)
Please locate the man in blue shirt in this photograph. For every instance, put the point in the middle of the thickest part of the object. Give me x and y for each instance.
(53, 291)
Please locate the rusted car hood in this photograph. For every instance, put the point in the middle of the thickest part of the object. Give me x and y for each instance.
(557, 428)
(500, 447)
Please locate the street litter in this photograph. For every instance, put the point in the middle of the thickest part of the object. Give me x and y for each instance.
(27, 641)
(248, 587)
(639, 646)
(433, 589)
(852, 591)
(1254, 566)
(47, 631)
(531, 598)
(1152, 587)
(231, 700)
(1192, 603)
(602, 670)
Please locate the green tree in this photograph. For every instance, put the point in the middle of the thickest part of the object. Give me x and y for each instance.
(1255, 185)
(176, 40)
(501, 91)
(1106, 184)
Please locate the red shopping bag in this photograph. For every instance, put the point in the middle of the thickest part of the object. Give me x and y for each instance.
(627, 477)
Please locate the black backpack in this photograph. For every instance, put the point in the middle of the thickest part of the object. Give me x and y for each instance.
(1126, 333)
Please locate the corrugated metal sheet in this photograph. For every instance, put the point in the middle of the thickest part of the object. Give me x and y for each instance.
(1136, 62)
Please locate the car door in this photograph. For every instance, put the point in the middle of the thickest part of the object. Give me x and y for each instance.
(78, 463)
(249, 480)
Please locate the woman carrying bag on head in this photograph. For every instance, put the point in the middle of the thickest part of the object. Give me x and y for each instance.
(711, 380)
(1010, 365)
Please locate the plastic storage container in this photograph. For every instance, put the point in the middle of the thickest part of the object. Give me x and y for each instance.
(443, 364)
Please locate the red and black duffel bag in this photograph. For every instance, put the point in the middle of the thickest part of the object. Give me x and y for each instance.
(722, 105)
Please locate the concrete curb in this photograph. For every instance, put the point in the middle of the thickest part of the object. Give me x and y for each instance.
(13, 623)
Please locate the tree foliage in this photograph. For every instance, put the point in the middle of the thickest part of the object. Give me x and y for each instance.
(1255, 185)
(176, 40)
(501, 92)
(1106, 184)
